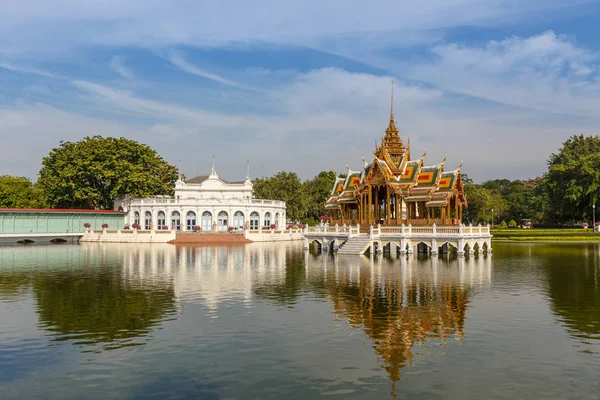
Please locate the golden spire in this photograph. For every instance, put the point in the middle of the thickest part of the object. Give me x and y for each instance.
(391, 129)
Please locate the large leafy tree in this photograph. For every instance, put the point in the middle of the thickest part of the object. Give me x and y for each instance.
(92, 172)
(573, 178)
(318, 190)
(284, 186)
(19, 192)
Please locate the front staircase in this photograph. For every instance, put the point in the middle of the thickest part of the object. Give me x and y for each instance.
(355, 245)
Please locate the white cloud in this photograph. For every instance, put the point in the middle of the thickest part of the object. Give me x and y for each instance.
(116, 63)
(319, 121)
(64, 25)
(547, 72)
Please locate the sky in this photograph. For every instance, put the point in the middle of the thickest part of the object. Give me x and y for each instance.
(497, 85)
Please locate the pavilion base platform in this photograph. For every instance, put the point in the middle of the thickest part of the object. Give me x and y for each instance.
(433, 240)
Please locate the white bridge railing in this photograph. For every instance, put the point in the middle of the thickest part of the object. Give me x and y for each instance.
(402, 230)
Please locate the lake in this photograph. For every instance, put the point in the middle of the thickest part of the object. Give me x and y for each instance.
(272, 321)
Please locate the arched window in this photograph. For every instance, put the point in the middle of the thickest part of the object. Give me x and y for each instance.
(136, 218)
(254, 220)
(267, 222)
(223, 221)
(206, 221)
(238, 220)
(277, 222)
(161, 220)
(175, 221)
(148, 220)
(190, 221)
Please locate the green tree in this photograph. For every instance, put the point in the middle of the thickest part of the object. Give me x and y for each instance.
(317, 191)
(573, 178)
(94, 171)
(284, 186)
(19, 192)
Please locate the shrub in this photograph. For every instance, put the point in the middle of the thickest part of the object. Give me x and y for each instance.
(310, 221)
(230, 229)
(196, 228)
(104, 226)
(512, 223)
(135, 226)
(503, 224)
(126, 227)
(273, 226)
(301, 226)
(165, 228)
(325, 218)
(265, 228)
(87, 225)
(290, 226)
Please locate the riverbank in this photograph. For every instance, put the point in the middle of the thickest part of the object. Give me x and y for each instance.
(545, 235)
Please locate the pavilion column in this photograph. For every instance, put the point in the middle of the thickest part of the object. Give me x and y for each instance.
(456, 208)
(377, 204)
(388, 208)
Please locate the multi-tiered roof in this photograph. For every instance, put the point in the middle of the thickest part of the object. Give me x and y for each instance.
(393, 167)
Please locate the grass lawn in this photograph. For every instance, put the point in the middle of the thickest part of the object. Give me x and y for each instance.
(575, 234)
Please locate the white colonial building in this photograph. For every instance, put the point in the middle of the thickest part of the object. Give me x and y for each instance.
(205, 201)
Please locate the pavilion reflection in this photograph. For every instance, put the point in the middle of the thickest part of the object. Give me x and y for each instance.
(401, 304)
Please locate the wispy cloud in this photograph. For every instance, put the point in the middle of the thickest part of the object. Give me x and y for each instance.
(29, 70)
(177, 59)
(116, 63)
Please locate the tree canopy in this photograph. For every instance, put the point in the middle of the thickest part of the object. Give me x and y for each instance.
(19, 192)
(284, 186)
(573, 178)
(305, 201)
(94, 171)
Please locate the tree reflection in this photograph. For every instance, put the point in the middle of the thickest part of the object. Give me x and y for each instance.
(96, 305)
(288, 290)
(574, 287)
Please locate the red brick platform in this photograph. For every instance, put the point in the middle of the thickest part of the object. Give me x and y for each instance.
(209, 238)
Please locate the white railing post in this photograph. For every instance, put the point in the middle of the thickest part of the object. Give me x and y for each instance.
(357, 229)
(460, 229)
(434, 228)
(337, 228)
(379, 229)
(479, 226)
(402, 229)
(371, 232)
(471, 229)
(409, 228)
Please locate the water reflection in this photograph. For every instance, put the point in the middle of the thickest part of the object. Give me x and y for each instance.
(572, 281)
(401, 303)
(83, 296)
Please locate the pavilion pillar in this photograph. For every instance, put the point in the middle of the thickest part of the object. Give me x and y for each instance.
(388, 208)
(377, 205)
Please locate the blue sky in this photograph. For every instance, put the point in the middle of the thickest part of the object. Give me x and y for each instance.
(300, 86)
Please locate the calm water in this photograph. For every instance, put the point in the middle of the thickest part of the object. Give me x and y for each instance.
(274, 322)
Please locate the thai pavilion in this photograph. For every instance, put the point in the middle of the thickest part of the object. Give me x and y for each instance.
(208, 202)
(395, 189)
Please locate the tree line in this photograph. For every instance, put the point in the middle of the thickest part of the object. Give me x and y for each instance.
(92, 172)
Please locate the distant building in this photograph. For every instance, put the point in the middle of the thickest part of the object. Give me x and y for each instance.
(206, 201)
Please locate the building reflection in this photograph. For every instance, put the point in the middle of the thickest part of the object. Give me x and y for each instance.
(401, 304)
(209, 274)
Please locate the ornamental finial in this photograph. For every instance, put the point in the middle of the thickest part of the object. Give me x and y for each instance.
(248, 171)
(392, 105)
(213, 172)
